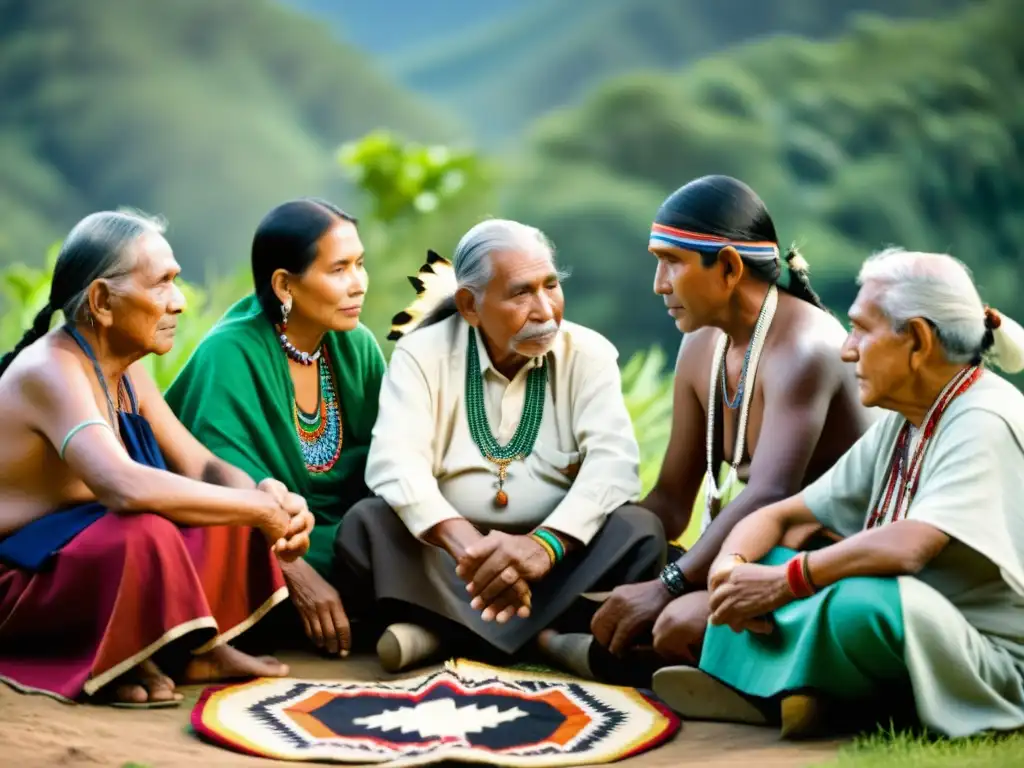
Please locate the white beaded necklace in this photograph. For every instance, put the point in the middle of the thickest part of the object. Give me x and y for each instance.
(712, 493)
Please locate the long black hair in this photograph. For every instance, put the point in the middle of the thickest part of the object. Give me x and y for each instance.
(287, 239)
(97, 247)
(721, 206)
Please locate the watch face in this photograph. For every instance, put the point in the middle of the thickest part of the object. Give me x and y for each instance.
(673, 579)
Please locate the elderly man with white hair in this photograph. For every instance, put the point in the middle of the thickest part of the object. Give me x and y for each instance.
(503, 461)
(920, 598)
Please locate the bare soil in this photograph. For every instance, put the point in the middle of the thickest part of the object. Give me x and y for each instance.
(39, 731)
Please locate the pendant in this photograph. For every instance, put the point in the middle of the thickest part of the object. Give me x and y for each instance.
(501, 498)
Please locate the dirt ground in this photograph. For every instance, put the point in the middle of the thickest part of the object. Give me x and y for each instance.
(39, 731)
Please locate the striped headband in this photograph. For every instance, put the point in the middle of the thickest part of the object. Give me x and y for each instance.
(693, 241)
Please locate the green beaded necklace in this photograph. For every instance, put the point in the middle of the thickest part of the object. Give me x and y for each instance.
(521, 444)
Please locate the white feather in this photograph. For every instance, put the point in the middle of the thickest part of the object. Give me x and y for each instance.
(437, 276)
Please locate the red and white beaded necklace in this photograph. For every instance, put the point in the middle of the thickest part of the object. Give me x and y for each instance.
(908, 453)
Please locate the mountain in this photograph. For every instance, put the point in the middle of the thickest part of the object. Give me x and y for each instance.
(206, 113)
(521, 60)
(396, 27)
(906, 133)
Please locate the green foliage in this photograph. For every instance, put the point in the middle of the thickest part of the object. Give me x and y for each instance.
(207, 113)
(419, 197)
(24, 290)
(406, 178)
(647, 389)
(897, 133)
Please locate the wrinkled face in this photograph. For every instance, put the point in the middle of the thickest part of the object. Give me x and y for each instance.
(881, 355)
(329, 294)
(692, 292)
(521, 309)
(141, 311)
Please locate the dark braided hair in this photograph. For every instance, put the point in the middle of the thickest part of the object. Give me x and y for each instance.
(287, 239)
(722, 206)
(97, 247)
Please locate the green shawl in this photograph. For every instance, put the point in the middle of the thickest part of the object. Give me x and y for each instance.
(235, 395)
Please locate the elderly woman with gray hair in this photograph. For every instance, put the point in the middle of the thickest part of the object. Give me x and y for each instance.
(921, 598)
(130, 556)
(503, 460)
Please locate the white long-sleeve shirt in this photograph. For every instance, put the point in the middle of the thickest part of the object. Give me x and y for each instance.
(424, 463)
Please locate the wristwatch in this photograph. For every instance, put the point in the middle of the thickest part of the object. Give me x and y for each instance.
(674, 580)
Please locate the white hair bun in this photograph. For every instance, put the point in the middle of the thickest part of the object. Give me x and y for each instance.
(1007, 350)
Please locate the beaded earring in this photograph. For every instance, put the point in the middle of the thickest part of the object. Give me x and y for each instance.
(286, 309)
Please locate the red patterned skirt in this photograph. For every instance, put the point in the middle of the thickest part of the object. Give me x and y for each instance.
(125, 588)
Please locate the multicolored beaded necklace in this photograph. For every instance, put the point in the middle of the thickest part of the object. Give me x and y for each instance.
(320, 433)
(904, 467)
(522, 442)
(744, 393)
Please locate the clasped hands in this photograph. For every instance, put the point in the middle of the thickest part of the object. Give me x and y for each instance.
(498, 569)
(744, 595)
(290, 522)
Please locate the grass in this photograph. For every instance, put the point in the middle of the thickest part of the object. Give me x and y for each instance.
(901, 750)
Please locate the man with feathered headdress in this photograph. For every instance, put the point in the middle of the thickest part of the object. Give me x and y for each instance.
(503, 460)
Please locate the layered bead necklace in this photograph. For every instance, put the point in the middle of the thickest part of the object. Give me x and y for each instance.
(744, 395)
(522, 442)
(320, 433)
(908, 453)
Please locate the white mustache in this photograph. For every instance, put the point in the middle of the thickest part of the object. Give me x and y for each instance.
(532, 331)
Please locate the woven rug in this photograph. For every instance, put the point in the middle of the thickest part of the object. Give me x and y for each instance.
(465, 712)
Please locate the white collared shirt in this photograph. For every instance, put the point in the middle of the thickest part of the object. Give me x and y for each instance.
(424, 463)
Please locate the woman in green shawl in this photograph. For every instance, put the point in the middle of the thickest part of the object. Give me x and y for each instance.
(285, 385)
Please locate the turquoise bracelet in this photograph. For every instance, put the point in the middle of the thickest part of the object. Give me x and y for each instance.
(553, 541)
(76, 429)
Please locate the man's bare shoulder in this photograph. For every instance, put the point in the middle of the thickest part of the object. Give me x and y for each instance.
(694, 356)
(807, 342)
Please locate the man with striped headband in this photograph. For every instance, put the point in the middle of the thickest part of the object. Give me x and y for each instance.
(762, 406)
(921, 601)
(503, 461)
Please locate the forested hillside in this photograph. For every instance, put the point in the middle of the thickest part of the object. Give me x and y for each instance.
(909, 134)
(205, 112)
(549, 54)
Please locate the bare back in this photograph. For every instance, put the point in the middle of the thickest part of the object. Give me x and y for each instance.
(805, 406)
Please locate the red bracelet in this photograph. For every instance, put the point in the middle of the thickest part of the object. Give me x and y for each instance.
(796, 577)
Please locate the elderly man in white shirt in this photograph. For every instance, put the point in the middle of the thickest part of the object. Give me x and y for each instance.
(503, 461)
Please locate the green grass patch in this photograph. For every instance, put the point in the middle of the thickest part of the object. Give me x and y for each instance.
(902, 750)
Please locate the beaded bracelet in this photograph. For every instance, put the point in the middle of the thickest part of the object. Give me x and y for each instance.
(550, 542)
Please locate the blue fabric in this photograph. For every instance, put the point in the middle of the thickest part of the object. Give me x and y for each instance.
(33, 547)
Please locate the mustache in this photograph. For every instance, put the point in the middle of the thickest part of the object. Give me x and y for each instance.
(532, 331)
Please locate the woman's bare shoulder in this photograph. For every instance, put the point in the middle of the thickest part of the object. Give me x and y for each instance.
(52, 362)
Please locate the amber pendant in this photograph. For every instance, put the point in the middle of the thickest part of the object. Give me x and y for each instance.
(501, 498)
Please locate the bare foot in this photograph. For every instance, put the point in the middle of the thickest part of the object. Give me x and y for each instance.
(145, 684)
(227, 663)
